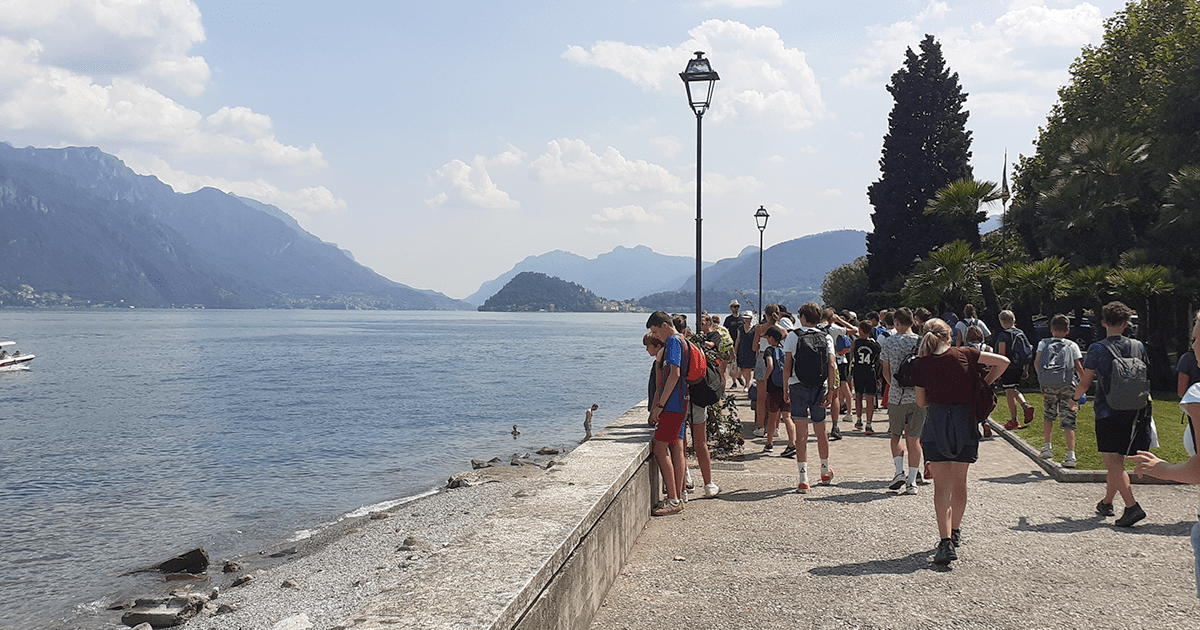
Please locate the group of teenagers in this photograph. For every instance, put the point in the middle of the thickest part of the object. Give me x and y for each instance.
(798, 369)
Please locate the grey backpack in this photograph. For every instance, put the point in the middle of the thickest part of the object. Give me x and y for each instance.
(1054, 369)
(1129, 383)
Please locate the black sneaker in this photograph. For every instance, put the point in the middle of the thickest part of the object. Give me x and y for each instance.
(945, 552)
(956, 537)
(897, 482)
(789, 452)
(1131, 515)
(1105, 509)
(768, 448)
(835, 434)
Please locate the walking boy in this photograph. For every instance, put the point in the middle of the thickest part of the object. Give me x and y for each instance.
(1013, 343)
(906, 419)
(1059, 368)
(808, 362)
(775, 386)
(1119, 432)
(865, 355)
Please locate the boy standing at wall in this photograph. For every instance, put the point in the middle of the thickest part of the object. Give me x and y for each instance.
(669, 410)
(1059, 368)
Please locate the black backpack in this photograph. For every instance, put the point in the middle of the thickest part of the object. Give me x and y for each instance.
(708, 390)
(810, 361)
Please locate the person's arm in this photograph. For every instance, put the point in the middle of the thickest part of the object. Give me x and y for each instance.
(887, 371)
(998, 363)
(1079, 371)
(787, 372)
(770, 361)
(1037, 360)
(829, 392)
(665, 394)
(1001, 347)
(1085, 382)
(1181, 385)
(921, 402)
(1150, 464)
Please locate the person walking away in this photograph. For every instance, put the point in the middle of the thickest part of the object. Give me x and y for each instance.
(865, 356)
(1059, 364)
(809, 364)
(838, 328)
(669, 410)
(906, 419)
(775, 385)
(1188, 472)
(745, 350)
(944, 386)
(587, 421)
(1013, 343)
(1122, 421)
(771, 315)
(968, 320)
(975, 340)
(733, 324)
(724, 347)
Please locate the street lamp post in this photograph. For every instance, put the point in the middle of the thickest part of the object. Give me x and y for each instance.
(700, 73)
(760, 218)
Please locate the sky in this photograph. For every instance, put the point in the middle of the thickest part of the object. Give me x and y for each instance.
(443, 141)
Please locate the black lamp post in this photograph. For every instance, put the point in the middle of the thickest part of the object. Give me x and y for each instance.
(701, 74)
(760, 217)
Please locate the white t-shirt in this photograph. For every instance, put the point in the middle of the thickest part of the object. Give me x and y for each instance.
(834, 332)
(964, 324)
(789, 347)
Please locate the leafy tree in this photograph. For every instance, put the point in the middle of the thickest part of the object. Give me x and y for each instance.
(846, 286)
(960, 203)
(927, 146)
(950, 277)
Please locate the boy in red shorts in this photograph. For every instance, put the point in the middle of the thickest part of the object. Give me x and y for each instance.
(668, 410)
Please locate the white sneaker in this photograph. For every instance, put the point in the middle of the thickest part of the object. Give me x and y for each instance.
(711, 490)
(1069, 461)
(776, 432)
(1047, 452)
(910, 488)
(760, 432)
(687, 483)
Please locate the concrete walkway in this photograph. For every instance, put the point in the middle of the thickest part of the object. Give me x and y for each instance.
(856, 555)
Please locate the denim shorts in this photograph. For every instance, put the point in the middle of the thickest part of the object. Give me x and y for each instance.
(808, 403)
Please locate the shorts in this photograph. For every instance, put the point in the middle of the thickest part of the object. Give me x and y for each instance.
(950, 434)
(910, 415)
(774, 401)
(843, 372)
(1058, 406)
(865, 382)
(808, 403)
(670, 423)
(760, 367)
(1011, 378)
(1115, 432)
(699, 415)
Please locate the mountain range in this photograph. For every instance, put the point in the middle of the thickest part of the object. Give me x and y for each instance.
(82, 229)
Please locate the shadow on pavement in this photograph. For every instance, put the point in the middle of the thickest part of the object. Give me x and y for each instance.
(1067, 525)
(911, 563)
(744, 495)
(853, 497)
(1019, 478)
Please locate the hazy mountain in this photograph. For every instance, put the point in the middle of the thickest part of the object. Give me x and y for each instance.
(801, 263)
(618, 275)
(530, 291)
(79, 223)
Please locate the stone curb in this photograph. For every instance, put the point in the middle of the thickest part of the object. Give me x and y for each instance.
(1057, 471)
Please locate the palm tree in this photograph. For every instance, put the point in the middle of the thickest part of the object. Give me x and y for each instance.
(950, 275)
(960, 203)
(1028, 286)
(1137, 285)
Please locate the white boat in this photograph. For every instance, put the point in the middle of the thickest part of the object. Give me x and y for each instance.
(12, 359)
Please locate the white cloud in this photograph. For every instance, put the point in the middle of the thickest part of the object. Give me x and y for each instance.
(669, 147)
(777, 159)
(831, 192)
(1042, 26)
(626, 214)
(95, 72)
(743, 4)
(718, 184)
(808, 149)
(602, 231)
(472, 184)
(301, 204)
(934, 11)
(762, 77)
(569, 160)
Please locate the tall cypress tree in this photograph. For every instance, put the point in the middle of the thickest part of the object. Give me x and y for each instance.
(927, 146)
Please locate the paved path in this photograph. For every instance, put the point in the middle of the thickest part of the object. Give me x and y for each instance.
(856, 555)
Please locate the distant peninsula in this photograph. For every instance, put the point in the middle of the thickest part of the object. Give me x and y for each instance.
(530, 291)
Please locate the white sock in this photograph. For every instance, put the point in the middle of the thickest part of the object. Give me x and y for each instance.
(824, 466)
(1070, 454)
(912, 475)
(803, 466)
(899, 462)
(1047, 445)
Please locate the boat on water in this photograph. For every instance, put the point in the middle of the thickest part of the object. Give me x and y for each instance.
(12, 359)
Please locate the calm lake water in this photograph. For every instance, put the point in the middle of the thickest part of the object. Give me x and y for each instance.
(141, 434)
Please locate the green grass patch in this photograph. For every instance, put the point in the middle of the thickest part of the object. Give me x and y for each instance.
(1166, 418)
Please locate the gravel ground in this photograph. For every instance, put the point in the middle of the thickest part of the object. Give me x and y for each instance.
(856, 555)
(332, 575)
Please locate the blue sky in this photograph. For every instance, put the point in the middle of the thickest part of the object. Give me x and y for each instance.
(443, 142)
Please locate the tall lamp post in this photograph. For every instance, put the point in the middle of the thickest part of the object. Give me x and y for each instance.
(700, 73)
(760, 218)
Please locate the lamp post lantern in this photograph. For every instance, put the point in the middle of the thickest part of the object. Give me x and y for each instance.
(760, 217)
(699, 80)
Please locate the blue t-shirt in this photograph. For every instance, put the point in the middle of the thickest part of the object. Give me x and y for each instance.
(1100, 360)
(673, 354)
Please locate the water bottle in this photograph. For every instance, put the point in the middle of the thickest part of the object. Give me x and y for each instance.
(1083, 399)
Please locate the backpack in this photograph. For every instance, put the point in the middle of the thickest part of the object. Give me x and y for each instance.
(810, 361)
(906, 373)
(705, 384)
(724, 347)
(1054, 369)
(776, 382)
(1019, 350)
(1129, 382)
(842, 344)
